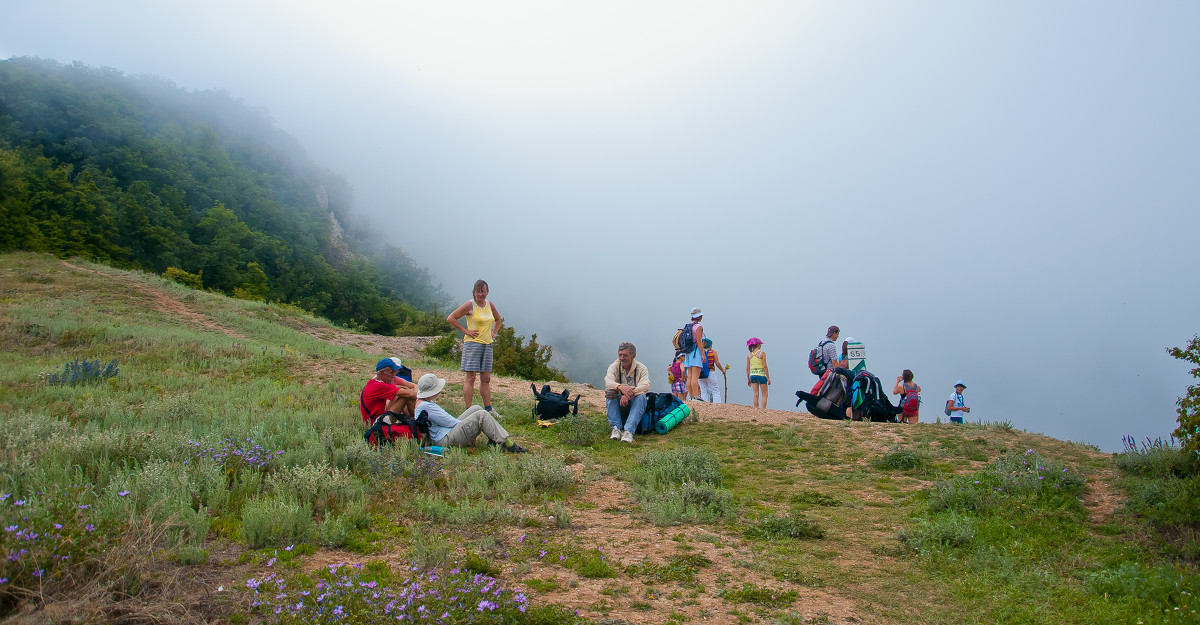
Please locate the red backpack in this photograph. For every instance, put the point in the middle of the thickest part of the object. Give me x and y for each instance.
(815, 362)
(912, 401)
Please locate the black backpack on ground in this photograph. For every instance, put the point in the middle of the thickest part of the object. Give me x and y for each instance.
(831, 398)
(657, 407)
(874, 404)
(551, 406)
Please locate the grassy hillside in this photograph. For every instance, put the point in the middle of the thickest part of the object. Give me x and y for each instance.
(177, 456)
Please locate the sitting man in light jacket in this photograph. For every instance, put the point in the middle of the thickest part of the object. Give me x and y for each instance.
(625, 387)
(447, 431)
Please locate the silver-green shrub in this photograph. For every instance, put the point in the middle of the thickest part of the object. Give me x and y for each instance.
(316, 483)
(276, 521)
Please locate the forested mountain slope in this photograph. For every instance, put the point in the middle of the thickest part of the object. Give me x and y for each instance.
(139, 173)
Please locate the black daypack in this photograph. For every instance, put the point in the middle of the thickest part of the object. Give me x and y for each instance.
(551, 406)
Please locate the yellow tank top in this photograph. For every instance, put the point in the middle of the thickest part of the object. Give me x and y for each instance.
(756, 364)
(480, 319)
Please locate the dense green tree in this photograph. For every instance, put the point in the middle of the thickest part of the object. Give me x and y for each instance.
(1189, 405)
(513, 356)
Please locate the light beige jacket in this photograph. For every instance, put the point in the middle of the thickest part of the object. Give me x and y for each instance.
(640, 380)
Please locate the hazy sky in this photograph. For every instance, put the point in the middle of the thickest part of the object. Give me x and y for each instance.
(1004, 192)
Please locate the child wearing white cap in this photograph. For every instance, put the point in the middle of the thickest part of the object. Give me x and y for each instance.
(956, 404)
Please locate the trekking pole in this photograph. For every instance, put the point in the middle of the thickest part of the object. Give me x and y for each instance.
(725, 395)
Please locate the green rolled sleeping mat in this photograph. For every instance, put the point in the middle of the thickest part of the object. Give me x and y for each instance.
(672, 419)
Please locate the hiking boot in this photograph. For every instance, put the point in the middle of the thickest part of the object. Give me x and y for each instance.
(627, 437)
(513, 449)
(616, 434)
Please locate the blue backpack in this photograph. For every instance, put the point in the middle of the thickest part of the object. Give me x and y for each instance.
(684, 339)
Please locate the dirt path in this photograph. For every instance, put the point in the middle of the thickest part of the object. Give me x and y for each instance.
(165, 303)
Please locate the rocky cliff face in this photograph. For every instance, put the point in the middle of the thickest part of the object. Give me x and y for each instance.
(339, 251)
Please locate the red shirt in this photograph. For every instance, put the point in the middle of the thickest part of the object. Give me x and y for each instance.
(375, 397)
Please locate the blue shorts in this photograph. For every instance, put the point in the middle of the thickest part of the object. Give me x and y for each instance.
(955, 419)
(758, 379)
(693, 359)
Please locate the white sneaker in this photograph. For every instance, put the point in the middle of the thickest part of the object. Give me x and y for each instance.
(495, 415)
(616, 434)
(627, 437)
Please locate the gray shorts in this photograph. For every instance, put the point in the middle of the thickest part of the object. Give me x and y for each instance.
(476, 357)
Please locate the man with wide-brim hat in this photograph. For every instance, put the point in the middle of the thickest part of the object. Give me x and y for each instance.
(447, 431)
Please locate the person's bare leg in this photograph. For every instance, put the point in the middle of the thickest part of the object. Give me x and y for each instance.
(693, 383)
(403, 405)
(764, 392)
(754, 387)
(485, 387)
(469, 388)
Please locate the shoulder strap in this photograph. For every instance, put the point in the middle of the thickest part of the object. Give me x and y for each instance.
(362, 401)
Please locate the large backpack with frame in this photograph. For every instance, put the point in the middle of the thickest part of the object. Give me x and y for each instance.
(657, 406)
(869, 399)
(831, 399)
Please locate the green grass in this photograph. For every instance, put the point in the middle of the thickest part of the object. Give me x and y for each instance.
(234, 437)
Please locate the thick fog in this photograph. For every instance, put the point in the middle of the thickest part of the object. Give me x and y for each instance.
(1005, 193)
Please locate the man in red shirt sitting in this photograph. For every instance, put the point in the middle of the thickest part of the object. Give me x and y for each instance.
(388, 391)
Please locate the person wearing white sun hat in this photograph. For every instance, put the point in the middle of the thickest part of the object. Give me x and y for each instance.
(446, 431)
(693, 361)
(956, 404)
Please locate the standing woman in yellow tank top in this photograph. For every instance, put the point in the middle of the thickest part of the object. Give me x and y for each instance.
(483, 322)
(758, 375)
